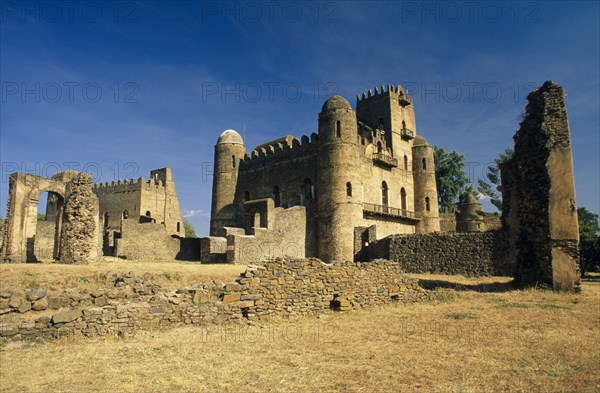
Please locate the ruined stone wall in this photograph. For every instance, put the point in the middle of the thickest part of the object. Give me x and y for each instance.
(469, 254)
(79, 234)
(127, 304)
(146, 241)
(286, 236)
(538, 186)
(44, 240)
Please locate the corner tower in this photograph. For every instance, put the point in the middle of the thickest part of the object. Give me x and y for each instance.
(339, 202)
(426, 198)
(229, 151)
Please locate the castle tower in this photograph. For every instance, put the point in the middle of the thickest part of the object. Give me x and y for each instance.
(171, 213)
(426, 198)
(468, 218)
(339, 184)
(389, 108)
(229, 151)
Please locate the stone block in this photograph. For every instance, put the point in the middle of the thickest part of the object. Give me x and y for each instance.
(66, 316)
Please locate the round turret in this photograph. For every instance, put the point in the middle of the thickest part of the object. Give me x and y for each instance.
(229, 152)
(468, 217)
(336, 102)
(230, 136)
(339, 202)
(426, 198)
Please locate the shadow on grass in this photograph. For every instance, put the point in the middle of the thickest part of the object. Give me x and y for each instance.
(486, 287)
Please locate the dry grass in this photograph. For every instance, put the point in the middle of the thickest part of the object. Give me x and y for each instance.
(170, 274)
(517, 341)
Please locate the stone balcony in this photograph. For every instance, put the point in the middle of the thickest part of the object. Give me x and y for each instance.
(382, 210)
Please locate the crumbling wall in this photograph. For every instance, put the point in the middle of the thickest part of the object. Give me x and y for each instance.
(146, 241)
(469, 254)
(130, 303)
(79, 234)
(540, 215)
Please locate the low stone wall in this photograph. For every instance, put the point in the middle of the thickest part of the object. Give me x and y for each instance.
(276, 288)
(469, 254)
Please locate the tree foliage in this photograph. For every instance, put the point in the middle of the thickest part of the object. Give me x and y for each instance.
(450, 176)
(41, 216)
(492, 186)
(189, 229)
(589, 240)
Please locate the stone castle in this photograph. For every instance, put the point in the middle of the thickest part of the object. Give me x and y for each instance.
(365, 174)
(362, 187)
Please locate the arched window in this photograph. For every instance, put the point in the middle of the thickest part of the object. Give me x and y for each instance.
(125, 214)
(349, 189)
(106, 219)
(403, 125)
(276, 196)
(403, 198)
(424, 161)
(427, 204)
(384, 194)
(178, 227)
(405, 162)
(233, 161)
(307, 190)
(379, 148)
(246, 196)
(338, 129)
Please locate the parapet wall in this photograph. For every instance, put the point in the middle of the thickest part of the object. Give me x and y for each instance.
(469, 254)
(129, 303)
(282, 149)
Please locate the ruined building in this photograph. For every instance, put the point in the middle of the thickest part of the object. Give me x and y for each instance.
(364, 176)
(132, 219)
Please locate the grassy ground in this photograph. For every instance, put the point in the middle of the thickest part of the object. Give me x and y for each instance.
(170, 274)
(482, 336)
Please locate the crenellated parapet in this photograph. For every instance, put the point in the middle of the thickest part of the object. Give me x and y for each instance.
(127, 185)
(284, 148)
(386, 90)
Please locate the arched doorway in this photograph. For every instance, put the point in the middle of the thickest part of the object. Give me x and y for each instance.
(384, 196)
(43, 226)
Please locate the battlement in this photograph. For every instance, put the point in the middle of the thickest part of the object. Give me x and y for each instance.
(284, 148)
(127, 185)
(385, 91)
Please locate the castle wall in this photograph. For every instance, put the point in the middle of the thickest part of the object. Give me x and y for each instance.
(292, 234)
(146, 241)
(469, 254)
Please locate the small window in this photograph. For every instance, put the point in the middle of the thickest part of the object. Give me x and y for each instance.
(308, 193)
(349, 189)
(148, 214)
(178, 227)
(424, 161)
(233, 161)
(276, 196)
(247, 196)
(105, 219)
(384, 194)
(379, 148)
(403, 125)
(362, 141)
(338, 129)
(125, 214)
(427, 204)
(403, 199)
(405, 162)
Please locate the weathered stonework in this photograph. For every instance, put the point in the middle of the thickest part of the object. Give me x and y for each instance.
(277, 288)
(470, 254)
(540, 214)
(364, 168)
(79, 234)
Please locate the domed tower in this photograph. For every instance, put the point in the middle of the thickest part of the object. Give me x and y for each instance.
(426, 198)
(468, 218)
(229, 151)
(339, 185)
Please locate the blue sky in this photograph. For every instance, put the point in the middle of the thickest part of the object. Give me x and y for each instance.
(120, 88)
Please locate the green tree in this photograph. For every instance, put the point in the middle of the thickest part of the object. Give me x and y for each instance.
(450, 176)
(589, 240)
(41, 216)
(189, 229)
(492, 186)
